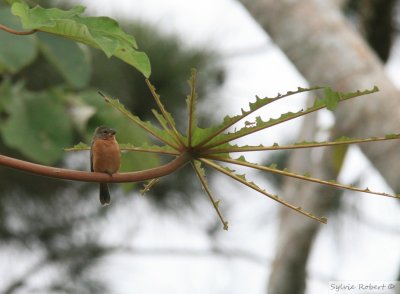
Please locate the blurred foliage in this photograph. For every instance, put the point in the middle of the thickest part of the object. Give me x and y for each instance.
(15, 52)
(49, 100)
(99, 32)
(28, 130)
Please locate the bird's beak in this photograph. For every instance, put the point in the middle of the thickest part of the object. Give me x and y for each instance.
(113, 131)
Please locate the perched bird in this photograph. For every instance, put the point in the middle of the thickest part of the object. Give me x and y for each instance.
(105, 157)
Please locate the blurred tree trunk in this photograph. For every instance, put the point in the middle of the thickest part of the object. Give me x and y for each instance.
(296, 233)
(325, 48)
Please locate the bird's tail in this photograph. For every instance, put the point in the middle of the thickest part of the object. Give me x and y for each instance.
(105, 198)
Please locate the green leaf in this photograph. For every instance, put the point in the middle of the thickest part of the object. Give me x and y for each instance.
(331, 98)
(16, 52)
(68, 58)
(12, 1)
(37, 126)
(6, 93)
(99, 32)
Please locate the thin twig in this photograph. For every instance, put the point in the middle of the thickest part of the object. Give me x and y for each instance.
(74, 175)
(14, 32)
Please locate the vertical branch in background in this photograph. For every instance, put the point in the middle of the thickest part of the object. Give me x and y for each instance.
(296, 235)
(325, 49)
(376, 23)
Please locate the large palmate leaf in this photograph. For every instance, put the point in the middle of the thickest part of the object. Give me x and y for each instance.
(209, 146)
(99, 32)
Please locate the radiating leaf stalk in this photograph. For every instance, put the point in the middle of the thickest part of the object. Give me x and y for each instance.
(305, 177)
(144, 125)
(299, 145)
(201, 175)
(167, 116)
(261, 125)
(149, 185)
(259, 103)
(149, 149)
(167, 150)
(163, 123)
(258, 189)
(191, 102)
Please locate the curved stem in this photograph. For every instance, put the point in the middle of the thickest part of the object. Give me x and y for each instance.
(12, 31)
(68, 174)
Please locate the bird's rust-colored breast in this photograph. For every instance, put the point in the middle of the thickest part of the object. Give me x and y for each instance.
(106, 156)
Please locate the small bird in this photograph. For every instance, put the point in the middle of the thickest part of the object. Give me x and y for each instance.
(105, 157)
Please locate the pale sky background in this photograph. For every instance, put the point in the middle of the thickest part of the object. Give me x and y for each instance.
(345, 250)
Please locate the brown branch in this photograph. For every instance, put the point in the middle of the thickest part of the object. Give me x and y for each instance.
(12, 31)
(68, 174)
